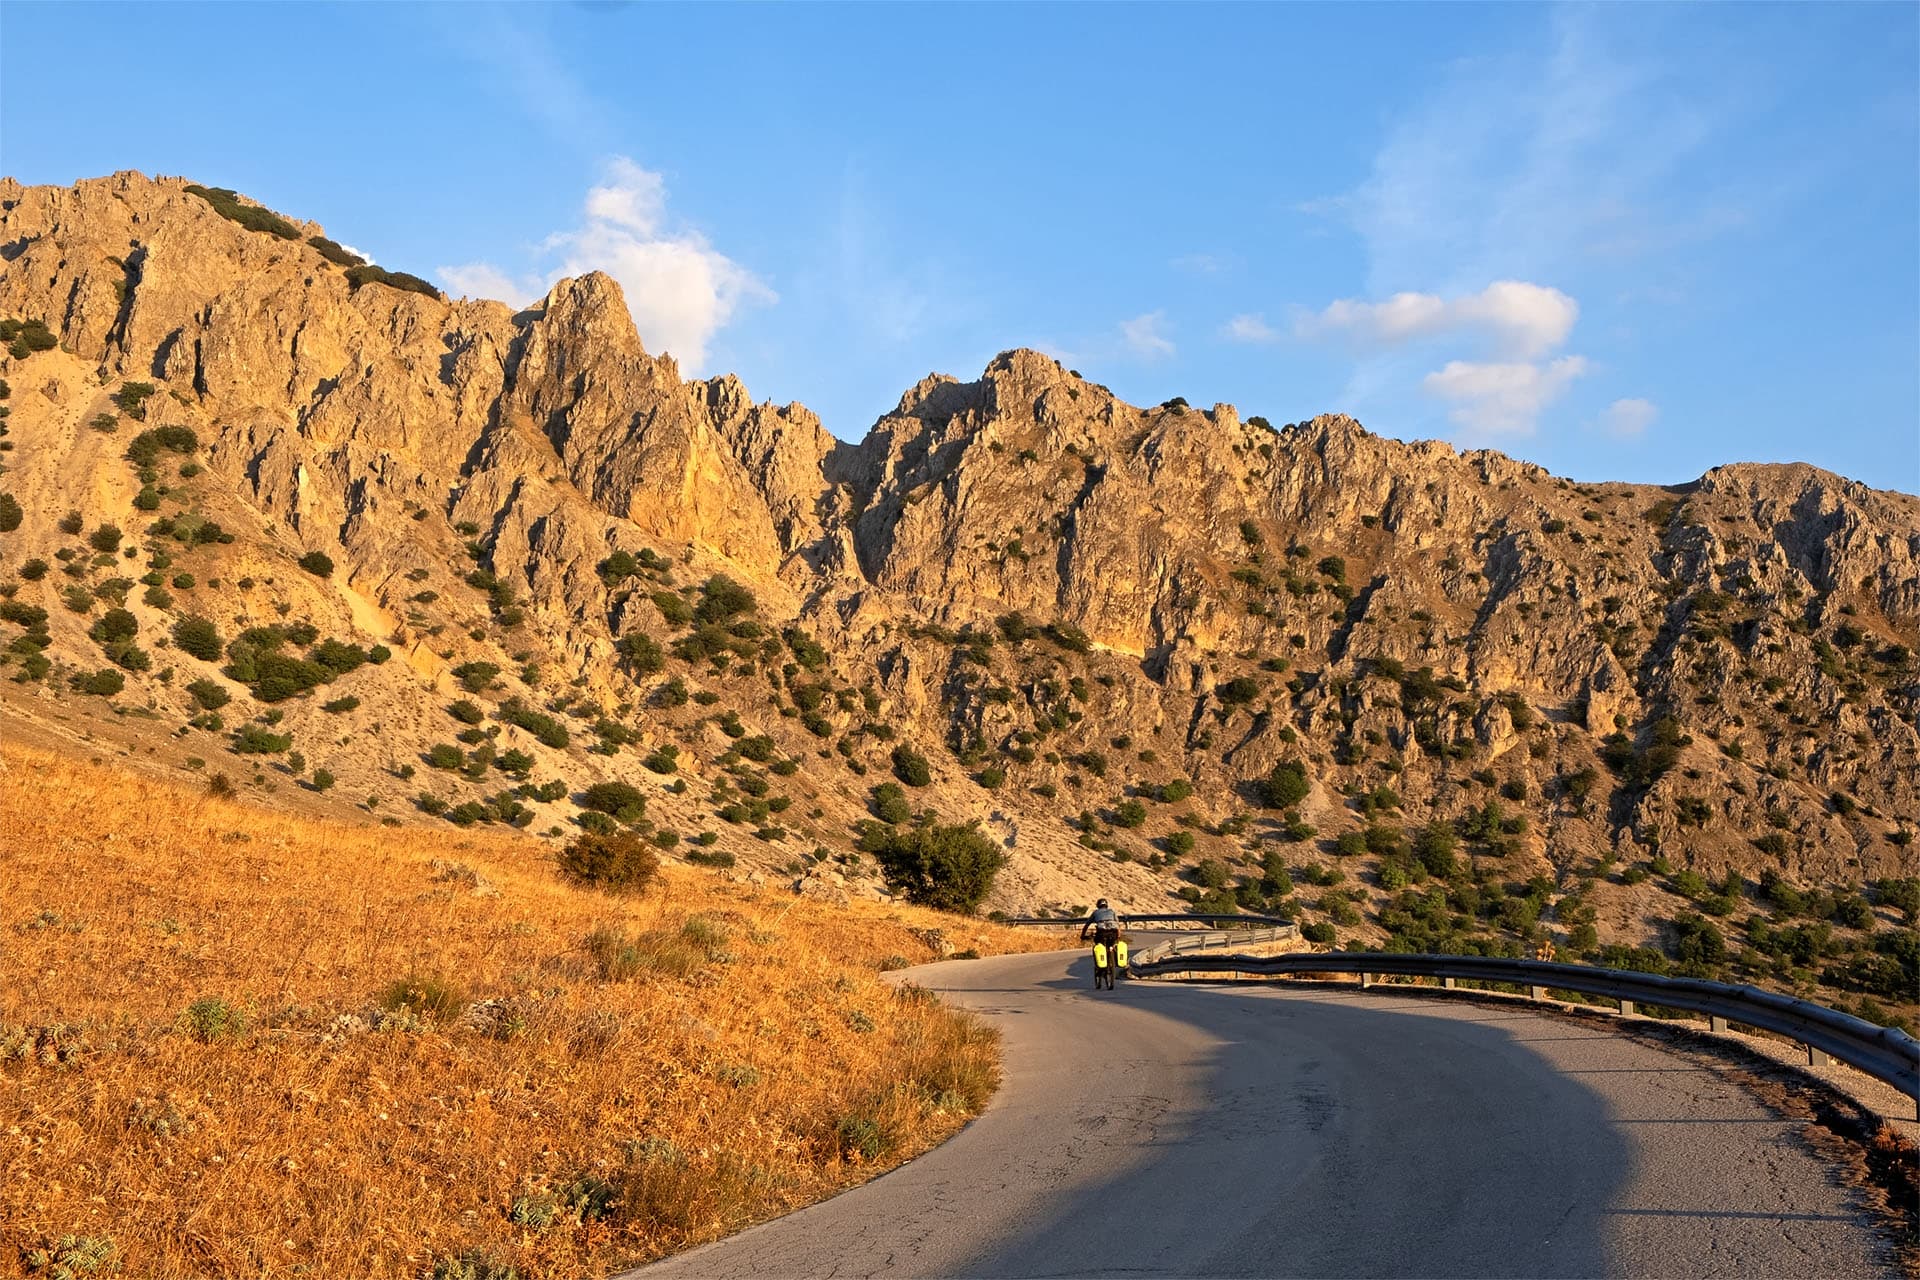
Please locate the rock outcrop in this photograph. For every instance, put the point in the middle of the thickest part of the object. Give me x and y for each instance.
(1058, 597)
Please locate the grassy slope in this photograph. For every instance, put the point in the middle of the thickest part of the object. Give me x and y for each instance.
(750, 1060)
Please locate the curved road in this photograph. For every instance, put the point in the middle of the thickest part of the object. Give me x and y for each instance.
(1234, 1130)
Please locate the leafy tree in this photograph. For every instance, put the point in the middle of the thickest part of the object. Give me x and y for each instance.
(951, 868)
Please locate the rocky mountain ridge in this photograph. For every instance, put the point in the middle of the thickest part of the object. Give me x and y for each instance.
(1070, 606)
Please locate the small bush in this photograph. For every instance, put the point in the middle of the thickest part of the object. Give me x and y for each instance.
(339, 255)
(209, 694)
(425, 996)
(254, 739)
(199, 638)
(1285, 786)
(911, 767)
(617, 862)
(317, 563)
(621, 800)
(367, 273)
(253, 217)
(104, 683)
(210, 1018)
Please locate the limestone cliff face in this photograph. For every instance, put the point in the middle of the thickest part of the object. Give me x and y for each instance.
(1220, 594)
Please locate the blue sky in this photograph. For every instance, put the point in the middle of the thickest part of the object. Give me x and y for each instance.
(1626, 242)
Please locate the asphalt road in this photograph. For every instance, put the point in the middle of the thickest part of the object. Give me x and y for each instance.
(1233, 1130)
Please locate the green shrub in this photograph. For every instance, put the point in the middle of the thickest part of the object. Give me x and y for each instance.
(1284, 787)
(253, 217)
(317, 563)
(466, 711)
(889, 803)
(618, 862)
(105, 539)
(339, 255)
(911, 767)
(1319, 931)
(209, 694)
(1180, 843)
(104, 683)
(145, 449)
(367, 273)
(544, 728)
(1237, 692)
(621, 800)
(24, 337)
(948, 867)
(132, 398)
(664, 759)
(210, 1018)
(1129, 814)
(199, 638)
(254, 739)
(340, 706)
(10, 513)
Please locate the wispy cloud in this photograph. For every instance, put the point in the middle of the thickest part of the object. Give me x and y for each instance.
(679, 288)
(1501, 399)
(1143, 337)
(1250, 327)
(1527, 165)
(1519, 318)
(1629, 419)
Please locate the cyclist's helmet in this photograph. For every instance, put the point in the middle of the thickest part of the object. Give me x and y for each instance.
(1101, 903)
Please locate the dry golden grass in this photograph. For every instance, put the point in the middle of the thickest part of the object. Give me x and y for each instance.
(242, 1043)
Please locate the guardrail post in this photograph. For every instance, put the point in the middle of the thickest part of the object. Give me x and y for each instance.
(1818, 1058)
(1366, 980)
(1626, 1008)
(1538, 993)
(1447, 983)
(1717, 1023)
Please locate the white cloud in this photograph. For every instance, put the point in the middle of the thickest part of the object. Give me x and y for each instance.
(1501, 399)
(1251, 327)
(1143, 337)
(1627, 419)
(679, 288)
(1520, 319)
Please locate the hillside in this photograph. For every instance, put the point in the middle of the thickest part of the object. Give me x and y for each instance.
(450, 562)
(238, 1042)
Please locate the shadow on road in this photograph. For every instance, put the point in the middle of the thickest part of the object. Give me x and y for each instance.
(1337, 1140)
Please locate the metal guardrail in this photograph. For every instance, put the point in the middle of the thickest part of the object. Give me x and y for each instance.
(1212, 940)
(1170, 918)
(1881, 1052)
